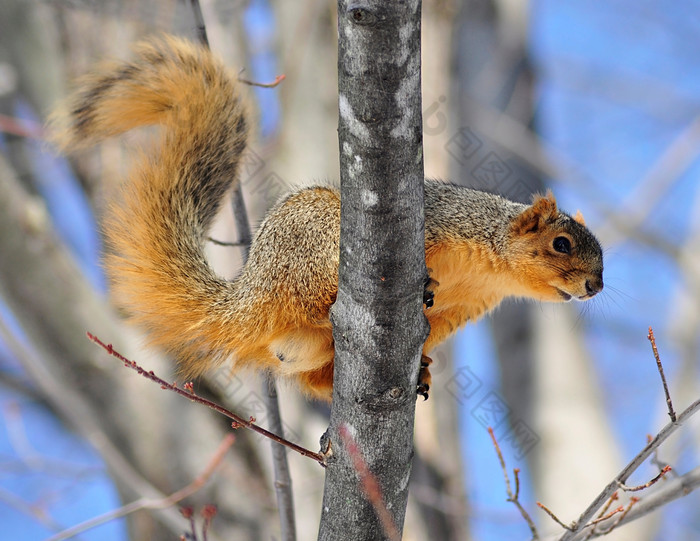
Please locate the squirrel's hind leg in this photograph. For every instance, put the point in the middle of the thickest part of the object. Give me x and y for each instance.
(306, 354)
(318, 383)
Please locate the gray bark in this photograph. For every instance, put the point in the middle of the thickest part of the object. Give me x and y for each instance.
(379, 326)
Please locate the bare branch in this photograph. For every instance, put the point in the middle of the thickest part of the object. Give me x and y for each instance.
(283, 480)
(188, 392)
(659, 366)
(513, 497)
(148, 503)
(619, 517)
(628, 470)
(199, 22)
(651, 447)
(672, 489)
(554, 517)
(607, 516)
(21, 127)
(273, 84)
(226, 244)
(663, 472)
(30, 509)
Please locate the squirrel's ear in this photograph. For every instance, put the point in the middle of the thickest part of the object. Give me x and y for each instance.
(579, 218)
(543, 208)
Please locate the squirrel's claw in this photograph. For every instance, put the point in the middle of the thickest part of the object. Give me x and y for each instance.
(424, 377)
(422, 390)
(428, 293)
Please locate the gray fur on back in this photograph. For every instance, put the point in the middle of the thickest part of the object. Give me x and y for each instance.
(478, 215)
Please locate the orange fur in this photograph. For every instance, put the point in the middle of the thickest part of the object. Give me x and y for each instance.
(471, 281)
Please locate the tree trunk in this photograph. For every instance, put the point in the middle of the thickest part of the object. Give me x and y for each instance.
(379, 326)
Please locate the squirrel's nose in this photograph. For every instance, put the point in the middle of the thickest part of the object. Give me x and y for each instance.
(594, 286)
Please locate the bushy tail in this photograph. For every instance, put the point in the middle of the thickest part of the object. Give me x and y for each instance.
(156, 232)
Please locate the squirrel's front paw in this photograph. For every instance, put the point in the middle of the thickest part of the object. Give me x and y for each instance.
(424, 377)
(428, 291)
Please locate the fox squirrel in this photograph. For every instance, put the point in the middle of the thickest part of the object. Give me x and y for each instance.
(274, 316)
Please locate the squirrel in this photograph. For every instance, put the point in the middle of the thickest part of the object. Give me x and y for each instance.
(479, 247)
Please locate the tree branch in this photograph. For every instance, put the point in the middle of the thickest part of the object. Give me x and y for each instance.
(188, 392)
(628, 470)
(660, 368)
(151, 503)
(283, 479)
(514, 496)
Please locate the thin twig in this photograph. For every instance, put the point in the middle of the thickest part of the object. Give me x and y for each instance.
(273, 84)
(501, 460)
(604, 515)
(21, 127)
(671, 490)
(514, 497)
(188, 513)
(191, 395)
(227, 244)
(663, 472)
(283, 479)
(630, 468)
(32, 510)
(199, 21)
(572, 527)
(78, 411)
(370, 485)
(603, 511)
(610, 514)
(605, 508)
(148, 503)
(656, 460)
(208, 513)
(659, 366)
(620, 517)
(554, 517)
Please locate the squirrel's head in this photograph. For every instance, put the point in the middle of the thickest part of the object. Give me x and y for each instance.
(556, 254)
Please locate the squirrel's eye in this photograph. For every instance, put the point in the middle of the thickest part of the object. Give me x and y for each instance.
(562, 245)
